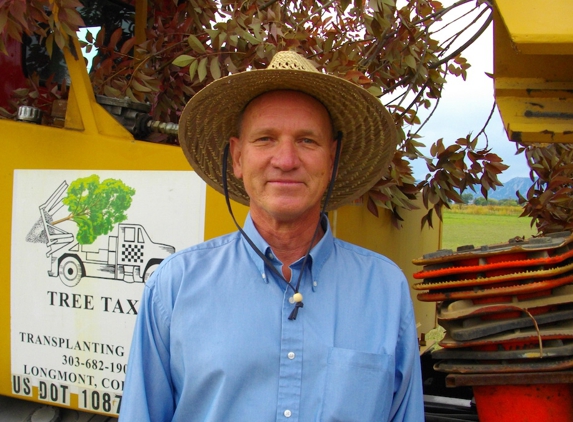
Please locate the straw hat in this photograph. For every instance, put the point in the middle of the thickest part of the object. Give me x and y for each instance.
(369, 135)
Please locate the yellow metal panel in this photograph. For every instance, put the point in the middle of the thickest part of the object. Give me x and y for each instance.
(140, 20)
(73, 119)
(534, 92)
(539, 120)
(538, 27)
(509, 62)
(29, 146)
(357, 225)
(83, 112)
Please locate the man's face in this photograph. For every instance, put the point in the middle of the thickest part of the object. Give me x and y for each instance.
(284, 155)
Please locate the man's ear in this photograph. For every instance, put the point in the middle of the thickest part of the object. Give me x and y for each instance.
(235, 150)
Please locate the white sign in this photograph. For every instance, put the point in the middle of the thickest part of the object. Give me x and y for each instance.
(83, 245)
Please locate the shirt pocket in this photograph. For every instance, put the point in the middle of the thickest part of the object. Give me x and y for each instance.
(359, 386)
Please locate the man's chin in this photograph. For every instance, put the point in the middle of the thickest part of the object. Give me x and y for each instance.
(289, 211)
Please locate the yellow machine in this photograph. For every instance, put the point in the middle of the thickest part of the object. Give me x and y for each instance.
(533, 62)
(67, 309)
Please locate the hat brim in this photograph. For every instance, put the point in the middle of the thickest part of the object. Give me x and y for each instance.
(369, 138)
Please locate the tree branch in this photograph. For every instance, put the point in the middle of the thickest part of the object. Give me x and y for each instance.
(463, 46)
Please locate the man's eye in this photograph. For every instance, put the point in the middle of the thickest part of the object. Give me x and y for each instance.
(308, 141)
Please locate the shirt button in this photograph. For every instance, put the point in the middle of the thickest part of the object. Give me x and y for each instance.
(315, 283)
(270, 255)
(287, 413)
(291, 355)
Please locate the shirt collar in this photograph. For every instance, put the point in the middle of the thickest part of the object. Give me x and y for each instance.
(318, 254)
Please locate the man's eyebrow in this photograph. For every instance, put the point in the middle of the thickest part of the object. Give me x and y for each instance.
(263, 131)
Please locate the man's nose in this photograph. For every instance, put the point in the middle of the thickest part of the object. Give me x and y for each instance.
(286, 155)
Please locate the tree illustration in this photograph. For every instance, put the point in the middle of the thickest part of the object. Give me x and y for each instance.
(96, 207)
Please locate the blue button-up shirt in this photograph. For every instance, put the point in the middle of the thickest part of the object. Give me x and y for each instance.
(213, 341)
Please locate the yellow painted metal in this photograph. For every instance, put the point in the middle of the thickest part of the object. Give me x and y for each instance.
(533, 62)
(103, 144)
(28, 146)
(140, 20)
(538, 27)
(357, 225)
(83, 112)
(92, 139)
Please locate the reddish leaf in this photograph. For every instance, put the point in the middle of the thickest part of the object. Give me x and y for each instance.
(371, 205)
(114, 39)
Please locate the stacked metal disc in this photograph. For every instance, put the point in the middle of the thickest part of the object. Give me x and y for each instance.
(506, 308)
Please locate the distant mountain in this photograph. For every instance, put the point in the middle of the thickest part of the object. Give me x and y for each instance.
(507, 191)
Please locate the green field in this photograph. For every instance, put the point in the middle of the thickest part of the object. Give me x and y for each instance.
(466, 227)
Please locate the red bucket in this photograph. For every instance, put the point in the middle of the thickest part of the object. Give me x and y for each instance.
(524, 403)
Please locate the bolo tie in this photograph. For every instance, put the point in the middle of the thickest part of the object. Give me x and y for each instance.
(296, 297)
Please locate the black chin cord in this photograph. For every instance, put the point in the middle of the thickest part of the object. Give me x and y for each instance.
(297, 297)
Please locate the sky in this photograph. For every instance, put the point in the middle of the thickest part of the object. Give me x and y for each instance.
(465, 107)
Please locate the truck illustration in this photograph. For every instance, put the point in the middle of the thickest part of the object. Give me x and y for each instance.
(127, 253)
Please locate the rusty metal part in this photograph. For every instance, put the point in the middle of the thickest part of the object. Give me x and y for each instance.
(132, 115)
(495, 290)
(560, 330)
(162, 127)
(484, 266)
(29, 114)
(474, 328)
(467, 308)
(504, 366)
(135, 117)
(551, 348)
(482, 281)
(469, 380)
(550, 241)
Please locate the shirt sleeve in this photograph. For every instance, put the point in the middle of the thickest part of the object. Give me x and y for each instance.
(147, 394)
(408, 401)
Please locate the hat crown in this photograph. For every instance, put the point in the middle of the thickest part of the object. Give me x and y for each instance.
(290, 60)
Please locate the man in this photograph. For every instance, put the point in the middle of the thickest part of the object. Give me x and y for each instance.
(279, 321)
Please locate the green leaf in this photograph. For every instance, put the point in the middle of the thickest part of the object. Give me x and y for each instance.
(233, 40)
(214, 68)
(410, 61)
(50, 44)
(248, 36)
(202, 69)
(139, 87)
(193, 69)
(183, 60)
(130, 94)
(3, 19)
(195, 44)
(111, 92)
(213, 33)
(375, 90)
